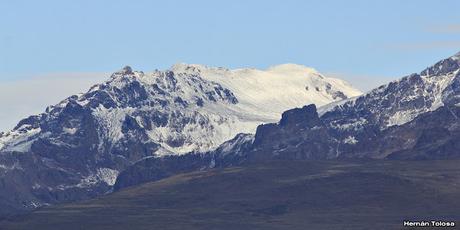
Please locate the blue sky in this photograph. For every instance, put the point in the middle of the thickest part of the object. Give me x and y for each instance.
(374, 38)
(365, 42)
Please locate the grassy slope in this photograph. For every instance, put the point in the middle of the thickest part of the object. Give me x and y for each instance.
(273, 195)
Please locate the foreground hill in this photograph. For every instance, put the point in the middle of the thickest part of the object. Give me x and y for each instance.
(271, 195)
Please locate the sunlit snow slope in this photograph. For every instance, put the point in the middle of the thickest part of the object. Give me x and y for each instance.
(267, 93)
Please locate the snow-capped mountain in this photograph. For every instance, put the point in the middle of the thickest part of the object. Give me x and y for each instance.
(416, 117)
(76, 149)
(215, 102)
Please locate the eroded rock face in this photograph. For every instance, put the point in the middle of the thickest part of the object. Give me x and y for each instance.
(300, 134)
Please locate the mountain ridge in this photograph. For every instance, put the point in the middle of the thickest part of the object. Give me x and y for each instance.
(360, 127)
(76, 148)
(270, 114)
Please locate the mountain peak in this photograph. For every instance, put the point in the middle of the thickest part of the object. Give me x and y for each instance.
(293, 69)
(307, 116)
(184, 66)
(443, 67)
(126, 70)
(194, 68)
(286, 69)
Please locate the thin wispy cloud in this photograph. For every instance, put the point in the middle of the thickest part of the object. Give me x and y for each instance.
(416, 46)
(443, 29)
(441, 38)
